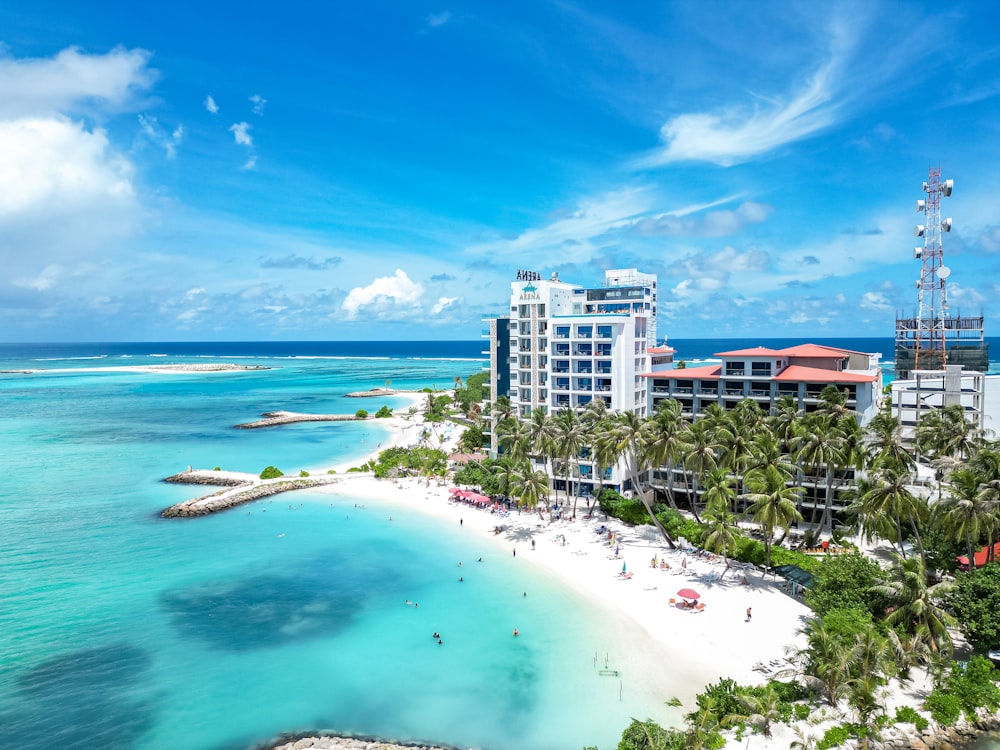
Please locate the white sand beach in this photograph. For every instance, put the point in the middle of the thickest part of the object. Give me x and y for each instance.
(698, 647)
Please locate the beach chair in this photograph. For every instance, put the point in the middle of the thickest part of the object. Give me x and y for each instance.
(673, 601)
(700, 607)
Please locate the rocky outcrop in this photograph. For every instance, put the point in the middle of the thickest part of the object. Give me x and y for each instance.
(940, 738)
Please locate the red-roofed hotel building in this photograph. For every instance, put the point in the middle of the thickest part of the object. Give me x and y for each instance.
(765, 375)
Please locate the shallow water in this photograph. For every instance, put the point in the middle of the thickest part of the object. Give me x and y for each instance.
(124, 630)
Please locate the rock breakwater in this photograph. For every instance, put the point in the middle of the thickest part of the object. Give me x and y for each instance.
(239, 489)
(275, 418)
(331, 742)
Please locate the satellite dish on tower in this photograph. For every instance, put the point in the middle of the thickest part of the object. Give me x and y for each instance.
(921, 205)
(946, 187)
(943, 272)
(918, 230)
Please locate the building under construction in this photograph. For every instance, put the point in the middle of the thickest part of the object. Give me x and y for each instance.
(935, 338)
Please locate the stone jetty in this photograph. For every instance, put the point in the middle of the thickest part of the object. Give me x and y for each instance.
(328, 742)
(239, 489)
(275, 418)
(378, 392)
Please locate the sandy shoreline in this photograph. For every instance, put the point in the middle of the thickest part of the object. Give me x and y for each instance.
(672, 651)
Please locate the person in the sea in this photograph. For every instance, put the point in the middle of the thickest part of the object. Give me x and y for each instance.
(516, 632)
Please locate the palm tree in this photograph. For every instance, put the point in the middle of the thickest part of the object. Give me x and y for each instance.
(913, 606)
(663, 439)
(720, 493)
(630, 444)
(825, 661)
(785, 415)
(818, 446)
(514, 439)
(948, 433)
(886, 502)
(604, 448)
(701, 450)
(773, 502)
(965, 511)
(885, 445)
(530, 487)
(759, 711)
(567, 440)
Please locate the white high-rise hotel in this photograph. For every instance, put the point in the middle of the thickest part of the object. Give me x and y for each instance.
(564, 345)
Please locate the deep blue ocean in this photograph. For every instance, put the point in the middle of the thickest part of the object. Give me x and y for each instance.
(120, 630)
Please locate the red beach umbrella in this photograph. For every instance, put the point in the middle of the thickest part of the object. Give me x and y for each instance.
(688, 594)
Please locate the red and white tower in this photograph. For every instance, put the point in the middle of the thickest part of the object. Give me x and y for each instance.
(932, 294)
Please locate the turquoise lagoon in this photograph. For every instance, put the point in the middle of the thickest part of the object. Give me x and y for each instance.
(124, 630)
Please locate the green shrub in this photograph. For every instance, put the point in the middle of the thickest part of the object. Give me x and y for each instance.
(384, 413)
(271, 472)
(303, 473)
(945, 708)
(802, 711)
(217, 468)
(909, 715)
(833, 737)
(361, 414)
(331, 471)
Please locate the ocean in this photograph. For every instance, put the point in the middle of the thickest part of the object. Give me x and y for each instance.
(126, 631)
(122, 630)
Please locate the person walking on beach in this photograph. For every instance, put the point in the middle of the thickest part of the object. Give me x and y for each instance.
(748, 614)
(514, 552)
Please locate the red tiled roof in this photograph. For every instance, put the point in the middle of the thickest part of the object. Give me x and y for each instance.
(661, 350)
(801, 374)
(980, 557)
(816, 350)
(757, 351)
(708, 371)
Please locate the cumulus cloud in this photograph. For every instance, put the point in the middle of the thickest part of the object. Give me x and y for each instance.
(210, 105)
(875, 301)
(71, 80)
(56, 165)
(241, 133)
(258, 103)
(442, 303)
(299, 261)
(386, 297)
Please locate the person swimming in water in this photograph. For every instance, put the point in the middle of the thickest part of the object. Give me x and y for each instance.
(436, 635)
(516, 632)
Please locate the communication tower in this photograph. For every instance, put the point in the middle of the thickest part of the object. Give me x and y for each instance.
(934, 338)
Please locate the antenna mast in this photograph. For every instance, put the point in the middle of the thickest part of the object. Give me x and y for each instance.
(932, 295)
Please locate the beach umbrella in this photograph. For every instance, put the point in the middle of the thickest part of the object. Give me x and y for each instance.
(623, 567)
(684, 562)
(688, 594)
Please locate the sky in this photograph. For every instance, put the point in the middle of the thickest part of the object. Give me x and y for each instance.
(381, 170)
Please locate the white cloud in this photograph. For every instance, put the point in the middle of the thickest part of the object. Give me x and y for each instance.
(55, 166)
(150, 129)
(72, 79)
(250, 164)
(436, 20)
(710, 224)
(210, 105)
(739, 133)
(241, 133)
(386, 297)
(442, 303)
(258, 103)
(875, 301)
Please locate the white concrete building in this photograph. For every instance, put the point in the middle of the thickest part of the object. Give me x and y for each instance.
(570, 345)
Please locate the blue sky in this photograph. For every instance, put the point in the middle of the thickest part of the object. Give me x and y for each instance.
(379, 170)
